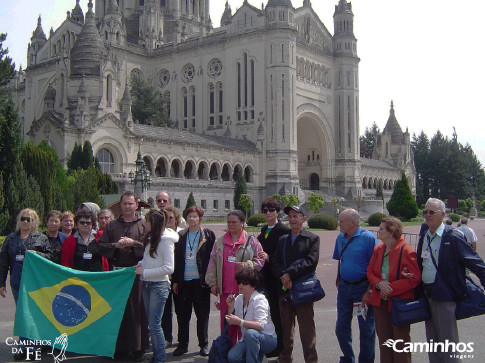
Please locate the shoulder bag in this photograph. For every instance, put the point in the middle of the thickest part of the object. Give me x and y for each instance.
(409, 311)
(307, 288)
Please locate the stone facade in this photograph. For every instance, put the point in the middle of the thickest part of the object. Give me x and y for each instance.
(271, 92)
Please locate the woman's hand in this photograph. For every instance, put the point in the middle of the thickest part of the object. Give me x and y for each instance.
(230, 302)
(385, 288)
(215, 290)
(233, 319)
(139, 270)
(406, 274)
(263, 255)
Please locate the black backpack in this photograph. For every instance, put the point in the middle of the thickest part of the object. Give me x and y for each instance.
(220, 347)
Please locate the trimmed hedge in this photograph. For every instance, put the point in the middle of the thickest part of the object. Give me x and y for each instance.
(454, 217)
(324, 221)
(255, 220)
(375, 219)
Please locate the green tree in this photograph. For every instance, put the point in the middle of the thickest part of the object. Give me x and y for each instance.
(290, 199)
(240, 187)
(87, 158)
(246, 203)
(335, 203)
(379, 191)
(150, 106)
(402, 204)
(75, 159)
(7, 67)
(83, 185)
(277, 197)
(421, 149)
(190, 203)
(368, 140)
(315, 202)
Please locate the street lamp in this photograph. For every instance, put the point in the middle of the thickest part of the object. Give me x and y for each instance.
(141, 178)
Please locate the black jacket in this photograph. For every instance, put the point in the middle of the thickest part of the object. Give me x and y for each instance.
(269, 245)
(455, 254)
(204, 248)
(306, 247)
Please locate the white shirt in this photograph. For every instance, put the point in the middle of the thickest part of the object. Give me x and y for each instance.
(159, 267)
(256, 310)
(469, 233)
(431, 244)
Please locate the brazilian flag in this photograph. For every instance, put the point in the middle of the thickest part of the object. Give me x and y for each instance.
(87, 307)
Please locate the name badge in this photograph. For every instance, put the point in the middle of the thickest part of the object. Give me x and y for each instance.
(360, 310)
(231, 259)
(425, 254)
(190, 257)
(87, 256)
(19, 258)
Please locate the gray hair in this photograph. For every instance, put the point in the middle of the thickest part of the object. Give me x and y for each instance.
(464, 220)
(352, 215)
(107, 211)
(437, 202)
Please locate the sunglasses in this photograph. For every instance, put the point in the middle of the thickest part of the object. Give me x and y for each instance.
(270, 210)
(85, 223)
(242, 281)
(25, 219)
(162, 200)
(430, 212)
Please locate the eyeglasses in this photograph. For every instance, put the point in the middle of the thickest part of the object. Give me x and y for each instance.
(242, 281)
(162, 200)
(25, 219)
(85, 223)
(270, 210)
(430, 212)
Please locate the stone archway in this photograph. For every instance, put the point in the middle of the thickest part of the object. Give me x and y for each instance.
(314, 181)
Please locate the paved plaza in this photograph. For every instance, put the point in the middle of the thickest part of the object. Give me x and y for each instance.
(471, 330)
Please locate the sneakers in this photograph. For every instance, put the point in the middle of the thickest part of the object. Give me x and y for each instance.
(204, 352)
(179, 351)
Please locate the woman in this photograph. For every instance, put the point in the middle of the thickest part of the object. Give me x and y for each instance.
(77, 252)
(382, 272)
(154, 270)
(234, 249)
(104, 217)
(56, 238)
(192, 254)
(25, 238)
(250, 311)
(173, 222)
(67, 222)
(270, 233)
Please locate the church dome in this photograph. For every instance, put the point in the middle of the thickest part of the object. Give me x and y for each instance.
(279, 3)
(393, 127)
(88, 49)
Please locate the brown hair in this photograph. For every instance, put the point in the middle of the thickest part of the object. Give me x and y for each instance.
(157, 220)
(393, 226)
(176, 213)
(195, 209)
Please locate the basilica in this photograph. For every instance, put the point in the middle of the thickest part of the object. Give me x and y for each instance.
(272, 93)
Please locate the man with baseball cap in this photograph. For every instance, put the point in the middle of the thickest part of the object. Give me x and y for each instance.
(296, 255)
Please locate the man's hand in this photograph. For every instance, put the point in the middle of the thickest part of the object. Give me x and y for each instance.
(3, 291)
(175, 288)
(286, 281)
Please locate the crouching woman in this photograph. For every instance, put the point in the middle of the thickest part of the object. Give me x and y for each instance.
(251, 312)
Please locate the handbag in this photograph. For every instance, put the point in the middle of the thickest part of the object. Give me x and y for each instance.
(220, 347)
(473, 303)
(409, 311)
(306, 289)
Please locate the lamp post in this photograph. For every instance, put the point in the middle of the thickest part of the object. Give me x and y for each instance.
(141, 178)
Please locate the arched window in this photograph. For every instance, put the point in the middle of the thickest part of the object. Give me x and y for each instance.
(109, 89)
(106, 161)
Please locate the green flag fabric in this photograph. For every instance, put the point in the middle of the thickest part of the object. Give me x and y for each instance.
(85, 308)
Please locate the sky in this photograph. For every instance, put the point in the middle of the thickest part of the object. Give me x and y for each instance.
(425, 56)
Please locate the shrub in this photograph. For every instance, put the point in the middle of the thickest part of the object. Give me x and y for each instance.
(402, 203)
(324, 221)
(454, 217)
(375, 219)
(255, 220)
(2, 238)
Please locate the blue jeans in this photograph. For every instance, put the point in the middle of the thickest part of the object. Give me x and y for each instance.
(155, 294)
(346, 296)
(254, 346)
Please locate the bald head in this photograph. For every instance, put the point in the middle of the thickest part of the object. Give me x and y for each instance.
(348, 221)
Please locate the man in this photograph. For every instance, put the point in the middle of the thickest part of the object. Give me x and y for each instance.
(120, 243)
(304, 247)
(469, 233)
(353, 249)
(443, 254)
(163, 199)
(269, 236)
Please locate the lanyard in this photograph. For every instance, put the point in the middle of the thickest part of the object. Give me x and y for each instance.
(191, 245)
(245, 312)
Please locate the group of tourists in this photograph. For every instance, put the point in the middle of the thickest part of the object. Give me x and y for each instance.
(252, 277)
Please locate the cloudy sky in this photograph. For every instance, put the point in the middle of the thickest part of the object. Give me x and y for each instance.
(423, 55)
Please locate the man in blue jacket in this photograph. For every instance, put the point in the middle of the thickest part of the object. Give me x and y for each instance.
(443, 255)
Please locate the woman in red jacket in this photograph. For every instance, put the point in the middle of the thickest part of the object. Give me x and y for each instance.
(387, 279)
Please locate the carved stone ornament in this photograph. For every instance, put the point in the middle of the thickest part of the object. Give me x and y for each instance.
(214, 68)
(163, 77)
(188, 73)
